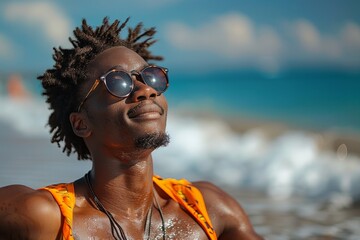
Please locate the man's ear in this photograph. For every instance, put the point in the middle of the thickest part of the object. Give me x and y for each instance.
(79, 125)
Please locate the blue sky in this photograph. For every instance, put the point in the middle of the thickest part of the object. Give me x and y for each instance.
(269, 36)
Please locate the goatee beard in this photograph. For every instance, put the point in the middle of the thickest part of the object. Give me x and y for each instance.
(152, 141)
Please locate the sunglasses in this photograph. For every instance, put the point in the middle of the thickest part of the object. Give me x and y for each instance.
(121, 84)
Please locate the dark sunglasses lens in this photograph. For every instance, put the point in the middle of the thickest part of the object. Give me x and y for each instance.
(119, 83)
(156, 78)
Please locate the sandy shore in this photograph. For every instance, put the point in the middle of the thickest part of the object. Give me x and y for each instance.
(298, 218)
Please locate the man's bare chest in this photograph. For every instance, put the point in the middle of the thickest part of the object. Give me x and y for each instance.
(175, 224)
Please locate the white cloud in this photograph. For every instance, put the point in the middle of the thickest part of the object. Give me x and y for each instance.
(350, 35)
(7, 50)
(307, 35)
(45, 16)
(236, 38)
(350, 44)
(341, 47)
(231, 37)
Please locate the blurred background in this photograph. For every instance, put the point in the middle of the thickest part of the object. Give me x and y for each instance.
(264, 101)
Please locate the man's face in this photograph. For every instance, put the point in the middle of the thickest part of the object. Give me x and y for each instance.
(118, 123)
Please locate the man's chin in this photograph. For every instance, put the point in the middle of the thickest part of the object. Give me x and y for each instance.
(152, 140)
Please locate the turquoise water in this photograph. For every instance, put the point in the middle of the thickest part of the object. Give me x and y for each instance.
(314, 100)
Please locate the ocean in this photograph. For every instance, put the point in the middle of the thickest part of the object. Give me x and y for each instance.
(316, 100)
(286, 146)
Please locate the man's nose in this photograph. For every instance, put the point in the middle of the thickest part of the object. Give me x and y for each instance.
(142, 91)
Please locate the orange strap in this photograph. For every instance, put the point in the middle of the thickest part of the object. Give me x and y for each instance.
(181, 191)
(64, 195)
(190, 198)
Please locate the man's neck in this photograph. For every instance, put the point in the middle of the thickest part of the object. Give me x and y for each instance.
(129, 184)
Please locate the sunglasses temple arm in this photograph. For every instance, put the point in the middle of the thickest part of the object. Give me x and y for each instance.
(96, 83)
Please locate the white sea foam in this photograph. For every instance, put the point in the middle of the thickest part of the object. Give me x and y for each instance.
(291, 163)
(27, 116)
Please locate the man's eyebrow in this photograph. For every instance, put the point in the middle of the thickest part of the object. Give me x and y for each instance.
(115, 67)
(144, 66)
(121, 68)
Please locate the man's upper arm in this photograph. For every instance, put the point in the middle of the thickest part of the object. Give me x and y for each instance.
(27, 214)
(228, 217)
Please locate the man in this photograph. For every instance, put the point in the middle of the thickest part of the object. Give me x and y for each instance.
(108, 105)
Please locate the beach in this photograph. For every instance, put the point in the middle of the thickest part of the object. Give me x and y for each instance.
(299, 218)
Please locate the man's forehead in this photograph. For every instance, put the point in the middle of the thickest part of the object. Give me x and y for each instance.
(119, 57)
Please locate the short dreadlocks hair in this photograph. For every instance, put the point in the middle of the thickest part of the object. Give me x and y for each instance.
(62, 82)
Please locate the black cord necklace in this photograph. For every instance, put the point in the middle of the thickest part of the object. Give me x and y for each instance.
(116, 230)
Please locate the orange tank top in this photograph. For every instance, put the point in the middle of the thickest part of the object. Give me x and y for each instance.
(181, 191)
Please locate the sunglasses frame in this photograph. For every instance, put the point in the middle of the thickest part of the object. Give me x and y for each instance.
(102, 78)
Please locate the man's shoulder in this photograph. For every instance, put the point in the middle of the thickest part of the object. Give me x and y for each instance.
(28, 198)
(27, 211)
(216, 198)
(229, 218)
(219, 203)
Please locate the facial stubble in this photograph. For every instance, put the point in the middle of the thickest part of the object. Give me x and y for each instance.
(152, 140)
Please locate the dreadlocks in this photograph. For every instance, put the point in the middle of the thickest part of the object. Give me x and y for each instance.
(62, 82)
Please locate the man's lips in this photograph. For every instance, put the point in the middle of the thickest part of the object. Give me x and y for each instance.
(146, 111)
